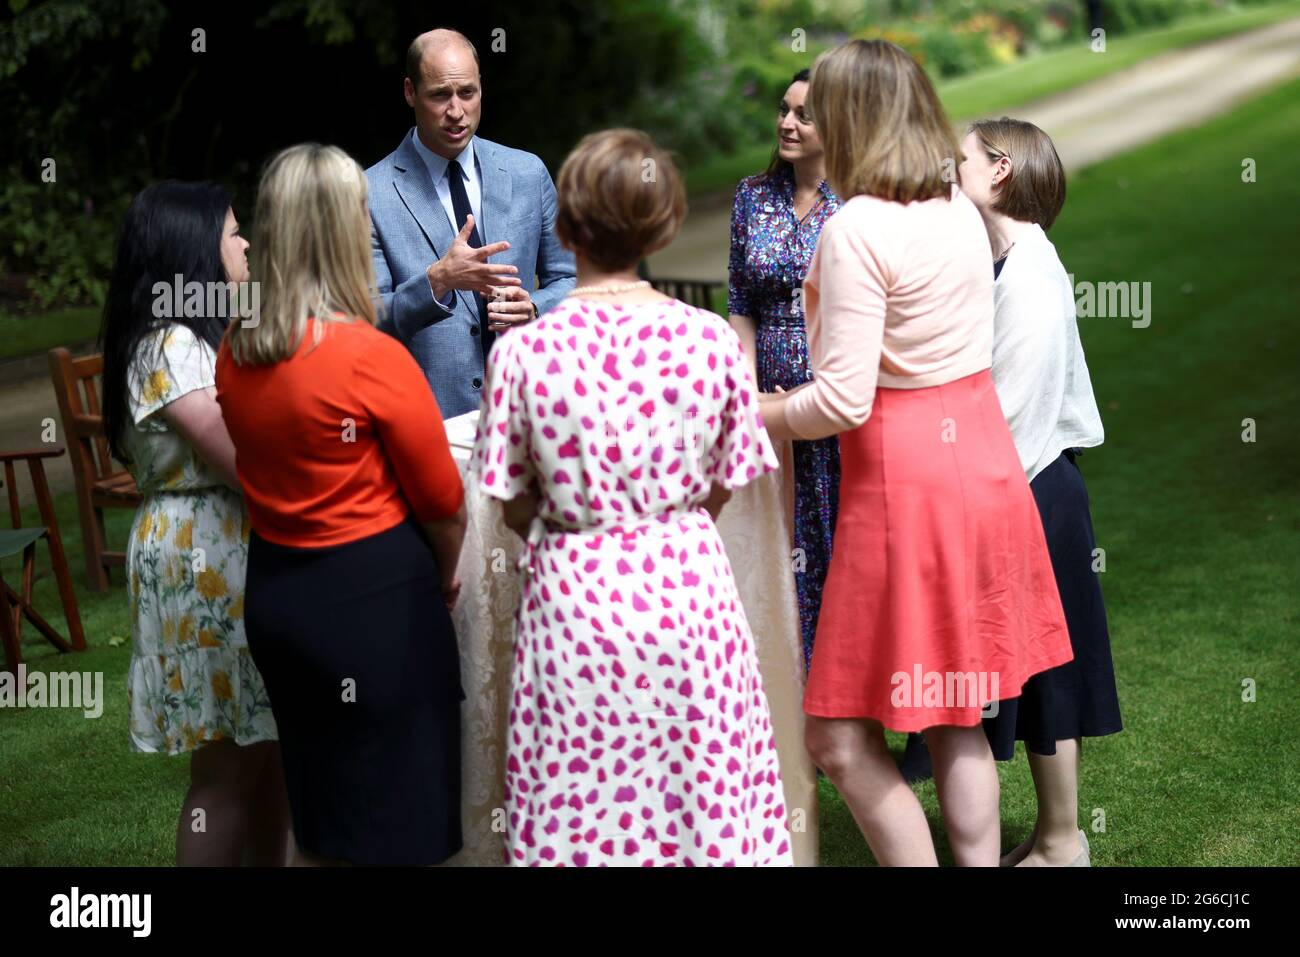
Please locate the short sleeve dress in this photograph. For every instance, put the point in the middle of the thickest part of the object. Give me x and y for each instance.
(639, 732)
(191, 677)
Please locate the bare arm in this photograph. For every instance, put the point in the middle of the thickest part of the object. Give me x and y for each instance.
(446, 535)
(747, 330)
(520, 512)
(772, 407)
(718, 497)
(196, 417)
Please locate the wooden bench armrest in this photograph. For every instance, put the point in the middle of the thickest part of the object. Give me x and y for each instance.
(87, 426)
(49, 452)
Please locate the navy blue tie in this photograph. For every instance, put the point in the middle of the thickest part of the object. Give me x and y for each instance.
(460, 206)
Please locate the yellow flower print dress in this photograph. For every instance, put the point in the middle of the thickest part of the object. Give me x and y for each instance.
(192, 679)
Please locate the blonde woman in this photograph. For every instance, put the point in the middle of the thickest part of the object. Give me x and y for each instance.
(1013, 175)
(357, 514)
(940, 596)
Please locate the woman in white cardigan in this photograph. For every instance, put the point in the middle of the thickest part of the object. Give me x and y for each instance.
(1013, 175)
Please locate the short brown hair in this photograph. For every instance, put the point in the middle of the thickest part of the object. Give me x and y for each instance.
(884, 131)
(1034, 191)
(620, 198)
(415, 52)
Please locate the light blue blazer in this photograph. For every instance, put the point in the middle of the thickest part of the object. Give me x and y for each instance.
(409, 230)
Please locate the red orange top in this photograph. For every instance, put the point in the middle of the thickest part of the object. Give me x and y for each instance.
(339, 442)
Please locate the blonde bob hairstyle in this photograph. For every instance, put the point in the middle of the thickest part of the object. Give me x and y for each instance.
(619, 198)
(310, 252)
(882, 127)
(1034, 191)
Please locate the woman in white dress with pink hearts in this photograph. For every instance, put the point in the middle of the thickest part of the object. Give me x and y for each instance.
(614, 428)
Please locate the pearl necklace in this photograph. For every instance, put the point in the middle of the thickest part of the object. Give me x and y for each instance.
(615, 288)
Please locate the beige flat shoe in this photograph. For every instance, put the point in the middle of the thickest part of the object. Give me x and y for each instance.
(1084, 859)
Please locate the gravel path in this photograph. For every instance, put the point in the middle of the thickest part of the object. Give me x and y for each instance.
(1088, 123)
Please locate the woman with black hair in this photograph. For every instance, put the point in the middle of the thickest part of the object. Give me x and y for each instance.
(192, 685)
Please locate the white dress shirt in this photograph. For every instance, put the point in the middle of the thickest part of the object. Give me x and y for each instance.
(1038, 365)
(438, 173)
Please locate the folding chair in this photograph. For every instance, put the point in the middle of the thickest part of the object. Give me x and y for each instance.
(15, 605)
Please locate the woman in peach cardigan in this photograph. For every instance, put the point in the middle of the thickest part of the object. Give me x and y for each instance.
(940, 597)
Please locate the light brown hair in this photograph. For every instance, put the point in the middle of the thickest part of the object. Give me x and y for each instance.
(1034, 190)
(620, 198)
(310, 252)
(415, 52)
(881, 124)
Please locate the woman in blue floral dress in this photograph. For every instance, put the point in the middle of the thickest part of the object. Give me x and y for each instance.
(775, 222)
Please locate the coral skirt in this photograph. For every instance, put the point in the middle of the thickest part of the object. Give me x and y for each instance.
(940, 599)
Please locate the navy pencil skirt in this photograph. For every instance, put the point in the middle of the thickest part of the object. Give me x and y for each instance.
(357, 650)
(1079, 698)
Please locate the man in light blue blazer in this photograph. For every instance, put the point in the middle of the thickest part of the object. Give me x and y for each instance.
(462, 229)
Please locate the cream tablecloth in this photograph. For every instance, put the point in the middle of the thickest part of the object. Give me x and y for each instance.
(755, 530)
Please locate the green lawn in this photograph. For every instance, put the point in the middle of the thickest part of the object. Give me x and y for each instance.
(25, 335)
(1001, 89)
(71, 790)
(1201, 532)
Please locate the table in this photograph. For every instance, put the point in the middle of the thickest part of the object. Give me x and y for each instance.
(755, 529)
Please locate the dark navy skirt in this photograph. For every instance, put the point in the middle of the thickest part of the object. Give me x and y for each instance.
(1077, 699)
(359, 657)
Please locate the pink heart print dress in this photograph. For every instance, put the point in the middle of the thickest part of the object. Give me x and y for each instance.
(639, 733)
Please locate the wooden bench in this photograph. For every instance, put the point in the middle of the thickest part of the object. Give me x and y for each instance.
(693, 292)
(100, 483)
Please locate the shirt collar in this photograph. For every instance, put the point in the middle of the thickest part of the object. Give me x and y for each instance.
(437, 164)
(786, 183)
(787, 186)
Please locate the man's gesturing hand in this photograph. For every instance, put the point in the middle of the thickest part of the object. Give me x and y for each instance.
(464, 267)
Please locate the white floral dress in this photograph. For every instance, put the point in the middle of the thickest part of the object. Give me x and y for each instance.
(639, 733)
(192, 679)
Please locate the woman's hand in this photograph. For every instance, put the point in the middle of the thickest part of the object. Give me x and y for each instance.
(771, 409)
(445, 536)
(451, 592)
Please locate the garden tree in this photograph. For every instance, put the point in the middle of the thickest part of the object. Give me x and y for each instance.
(100, 97)
(59, 63)
(122, 92)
